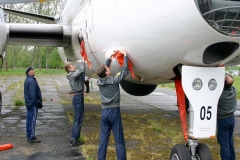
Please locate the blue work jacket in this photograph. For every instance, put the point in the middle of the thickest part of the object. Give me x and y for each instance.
(32, 93)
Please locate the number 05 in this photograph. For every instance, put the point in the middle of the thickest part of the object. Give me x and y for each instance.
(203, 113)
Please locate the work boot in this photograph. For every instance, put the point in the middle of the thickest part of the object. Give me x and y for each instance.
(34, 140)
(71, 140)
(76, 142)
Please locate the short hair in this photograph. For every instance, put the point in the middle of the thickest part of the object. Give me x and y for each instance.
(101, 71)
(67, 66)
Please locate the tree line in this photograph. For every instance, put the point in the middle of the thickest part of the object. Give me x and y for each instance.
(37, 56)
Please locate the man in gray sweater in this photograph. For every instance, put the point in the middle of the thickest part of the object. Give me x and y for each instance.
(111, 116)
(77, 88)
(226, 120)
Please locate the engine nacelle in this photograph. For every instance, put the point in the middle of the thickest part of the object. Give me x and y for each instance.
(137, 89)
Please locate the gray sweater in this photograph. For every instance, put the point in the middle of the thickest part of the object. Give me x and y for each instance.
(76, 81)
(109, 86)
(227, 103)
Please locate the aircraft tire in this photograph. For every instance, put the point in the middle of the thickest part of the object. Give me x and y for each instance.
(180, 152)
(203, 152)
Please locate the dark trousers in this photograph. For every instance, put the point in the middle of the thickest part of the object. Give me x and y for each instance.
(111, 120)
(87, 86)
(31, 122)
(78, 103)
(225, 138)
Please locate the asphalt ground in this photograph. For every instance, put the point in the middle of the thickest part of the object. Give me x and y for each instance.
(53, 127)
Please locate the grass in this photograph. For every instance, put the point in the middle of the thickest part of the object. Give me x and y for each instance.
(167, 85)
(146, 138)
(18, 97)
(90, 100)
(13, 86)
(18, 102)
(149, 134)
(66, 102)
(236, 84)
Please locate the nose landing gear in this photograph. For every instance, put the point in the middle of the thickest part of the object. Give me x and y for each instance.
(182, 152)
(203, 87)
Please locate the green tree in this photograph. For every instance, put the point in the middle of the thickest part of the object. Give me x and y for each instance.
(55, 60)
(23, 56)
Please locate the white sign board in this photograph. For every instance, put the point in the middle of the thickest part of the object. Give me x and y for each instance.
(204, 101)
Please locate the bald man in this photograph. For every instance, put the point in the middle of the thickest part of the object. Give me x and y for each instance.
(226, 120)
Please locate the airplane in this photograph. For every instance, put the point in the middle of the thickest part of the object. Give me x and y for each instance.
(181, 41)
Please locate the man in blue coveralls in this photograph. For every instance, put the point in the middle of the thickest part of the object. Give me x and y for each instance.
(33, 100)
(77, 88)
(225, 119)
(111, 116)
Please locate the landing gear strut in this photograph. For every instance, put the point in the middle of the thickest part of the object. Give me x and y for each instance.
(203, 87)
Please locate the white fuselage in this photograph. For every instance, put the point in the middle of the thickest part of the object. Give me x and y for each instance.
(157, 35)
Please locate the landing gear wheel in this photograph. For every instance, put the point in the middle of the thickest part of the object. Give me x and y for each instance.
(180, 152)
(203, 152)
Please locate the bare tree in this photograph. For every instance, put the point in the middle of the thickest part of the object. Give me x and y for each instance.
(6, 60)
(47, 56)
(34, 50)
(14, 56)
